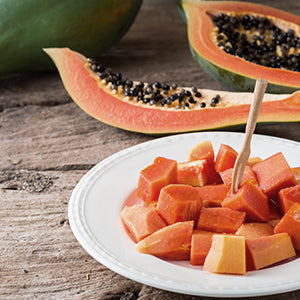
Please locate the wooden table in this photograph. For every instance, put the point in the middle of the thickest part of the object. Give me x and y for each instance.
(48, 144)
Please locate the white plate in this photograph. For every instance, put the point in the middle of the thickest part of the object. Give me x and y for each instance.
(97, 200)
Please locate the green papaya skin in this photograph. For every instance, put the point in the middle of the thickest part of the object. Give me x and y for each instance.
(90, 26)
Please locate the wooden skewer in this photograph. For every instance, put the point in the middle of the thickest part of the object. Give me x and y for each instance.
(243, 156)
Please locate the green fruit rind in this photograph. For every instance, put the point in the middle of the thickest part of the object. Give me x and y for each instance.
(90, 26)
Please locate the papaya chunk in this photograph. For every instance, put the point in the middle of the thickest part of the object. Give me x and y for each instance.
(178, 203)
(212, 195)
(288, 196)
(251, 200)
(226, 255)
(296, 172)
(141, 221)
(248, 175)
(220, 219)
(274, 174)
(200, 246)
(225, 158)
(254, 160)
(170, 242)
(153, 178)
(267, 250)
(194, 173)
(290, 223)
(255, 230)
(203, 150)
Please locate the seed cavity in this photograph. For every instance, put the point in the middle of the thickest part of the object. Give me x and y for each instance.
(156, 93)
(258, 40)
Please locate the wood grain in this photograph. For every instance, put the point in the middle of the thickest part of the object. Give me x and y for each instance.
(48, 144)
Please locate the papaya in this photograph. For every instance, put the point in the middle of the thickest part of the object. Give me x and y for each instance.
(91, 26)
(158, 108)
(235, 42)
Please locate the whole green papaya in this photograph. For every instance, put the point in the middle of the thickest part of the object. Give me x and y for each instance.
(88, 26)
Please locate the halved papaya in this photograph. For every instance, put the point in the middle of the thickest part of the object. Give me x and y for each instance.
(222, 33)
(160, 108)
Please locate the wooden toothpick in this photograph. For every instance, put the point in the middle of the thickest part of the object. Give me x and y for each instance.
(243, 156)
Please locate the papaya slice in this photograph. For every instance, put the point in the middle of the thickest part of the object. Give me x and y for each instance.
(274, 174)
(203, 150)
(154, 177)
(267, 250)
(251, 200)
(170, 242)
(200, 246)
(288, 196)
(178, 203)
(225, 158)
(248, 175)
(221, 34)
(296, 172)
(141, 221)
(213, 194)
(290, 223)
(220, 219)
(226, 255)
(255, 230)
(118, 102)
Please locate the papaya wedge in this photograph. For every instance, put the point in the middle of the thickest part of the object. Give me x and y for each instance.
(159, 108)
(237, 42)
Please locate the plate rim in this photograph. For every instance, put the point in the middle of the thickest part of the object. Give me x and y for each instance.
(75, 211)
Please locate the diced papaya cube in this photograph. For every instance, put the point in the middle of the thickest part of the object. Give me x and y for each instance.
(288, 196)
(274, 174)
(178, 203)
(255, 230)
(203, 150)
(248, 175)
(201, 242)
(220, 219)
(251, 200)
(267, 250)
(194, 173)
(141, 221)
(171, 242)
(296, 172)
(274, 211)
(212, 195)
(153, 178)
(254, 160)
(290, 223)
(225, 158)
(226, 255)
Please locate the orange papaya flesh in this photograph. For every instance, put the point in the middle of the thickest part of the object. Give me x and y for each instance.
(110, 106)
(213, 194)
(254, 160)
(195, 173)
(179, 203)
(231, 69)
(251, 200)
(248, 175)
(227, 255)
(220, 219)
(153, 178)
(255, 230)
(225, 159)
(290, 223)
(268, 250)
(202, 150)
(288, 196)
(200, 246)
(141, 221)
(274, 174)
(296, 172)
(170, 242)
